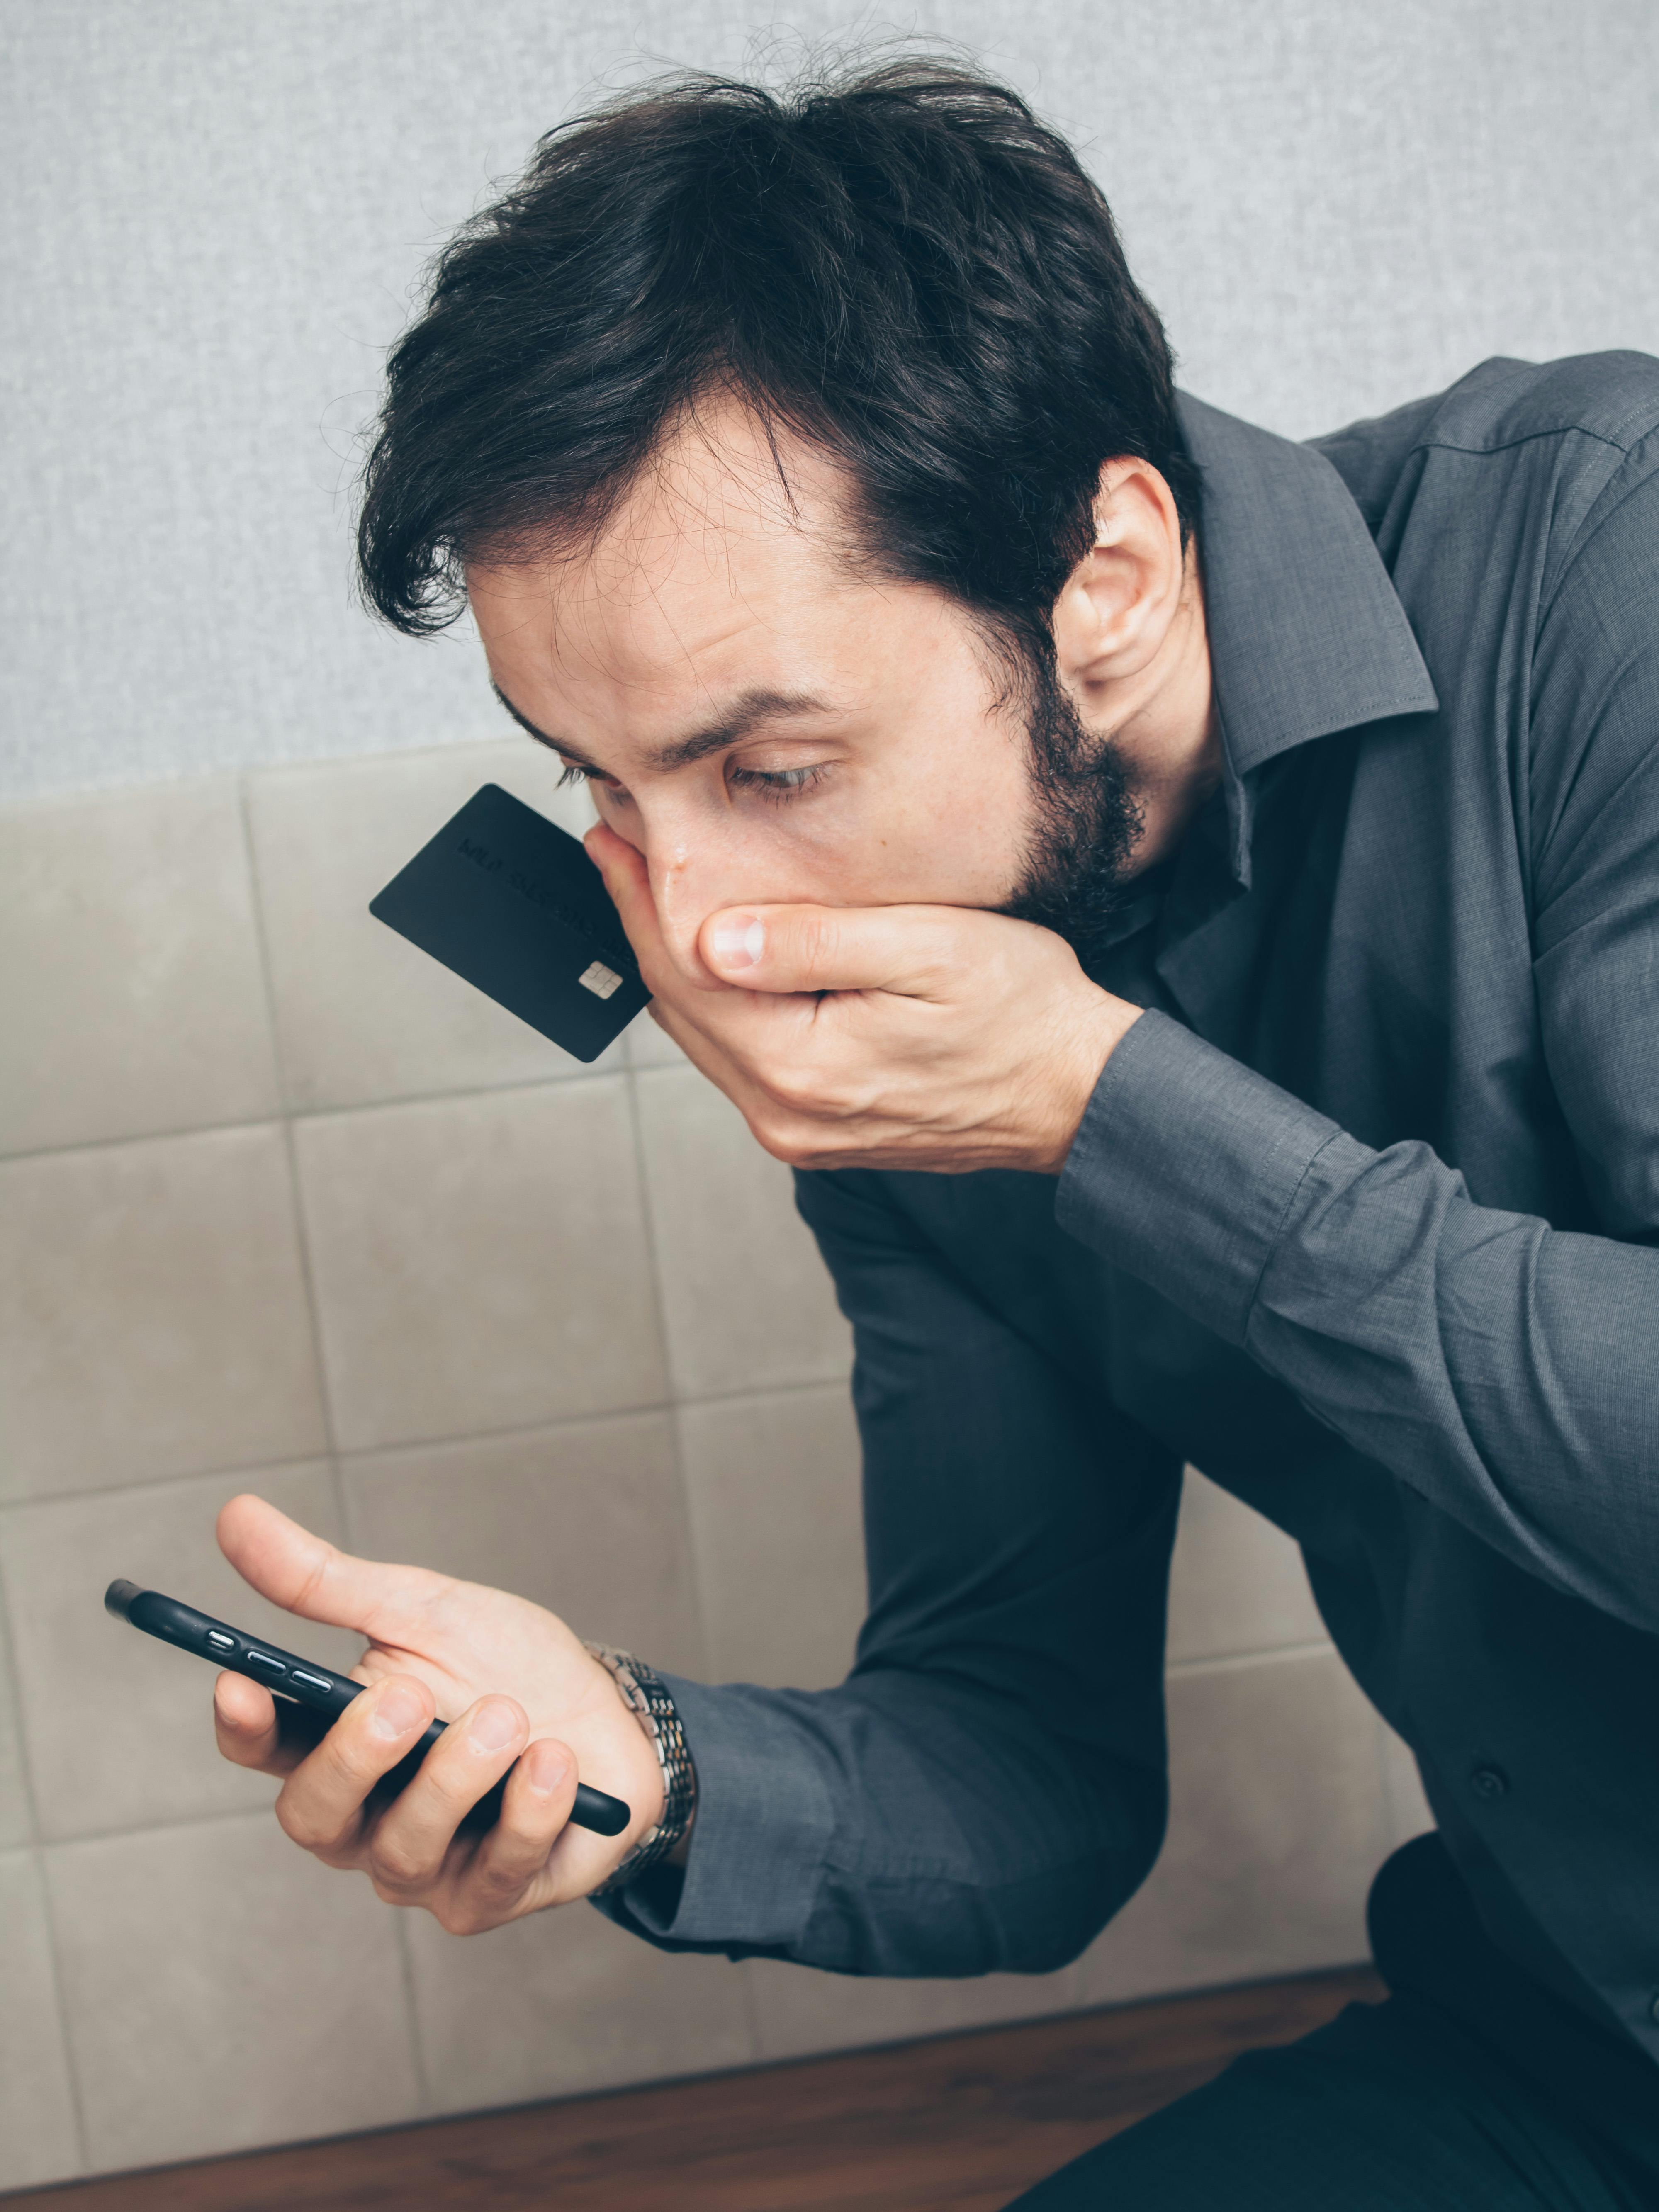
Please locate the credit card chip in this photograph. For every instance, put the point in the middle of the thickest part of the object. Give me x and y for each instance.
(599, 979)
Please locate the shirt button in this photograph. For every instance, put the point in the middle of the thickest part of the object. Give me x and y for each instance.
(1489, 1781)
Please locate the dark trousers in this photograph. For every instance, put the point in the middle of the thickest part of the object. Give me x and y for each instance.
(1472, 2088)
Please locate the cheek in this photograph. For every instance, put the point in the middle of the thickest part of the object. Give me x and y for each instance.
(695, 878)
(965, 850)
(957, 843)
(953, 838)
(698, 866)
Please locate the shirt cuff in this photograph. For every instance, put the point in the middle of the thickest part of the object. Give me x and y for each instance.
(1184, 1169)
(761, 1836)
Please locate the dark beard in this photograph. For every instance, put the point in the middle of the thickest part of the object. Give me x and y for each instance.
(1087, 822)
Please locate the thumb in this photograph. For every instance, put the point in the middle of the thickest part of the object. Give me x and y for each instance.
(306, 1574)
(902, 948)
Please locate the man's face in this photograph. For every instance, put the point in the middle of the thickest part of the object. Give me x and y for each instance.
(767, 726)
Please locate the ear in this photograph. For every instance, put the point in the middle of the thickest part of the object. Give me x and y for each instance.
(1116, 607)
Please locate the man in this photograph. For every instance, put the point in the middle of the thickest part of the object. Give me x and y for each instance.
(1189, 903)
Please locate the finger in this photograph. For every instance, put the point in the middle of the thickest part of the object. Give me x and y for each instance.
(628, 882)
(627, 879)
(707, 1051)
(253, 1729)
(245, 1725)
(306, 1574)
(321, 1804)
(512, 1857)
(901, 949)
(413, 1835)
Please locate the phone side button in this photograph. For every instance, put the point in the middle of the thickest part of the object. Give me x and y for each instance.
(218, 1640)
(265, 1663)
(307, 1679)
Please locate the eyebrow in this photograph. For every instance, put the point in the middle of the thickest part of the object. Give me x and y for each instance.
(749, 711)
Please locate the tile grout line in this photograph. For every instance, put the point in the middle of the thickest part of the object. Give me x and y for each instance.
(174, 1824)
(647, 1214)
(287, 1112)
(1233, 1662)
(69, 794)
(578, 1074)
(170, 1136)
(351, 1454)
(36, 1848)
(65, 2042)
(325, 1389)
(670, 1404)
(148, 1482)
(302, 1237)
(14, 1699)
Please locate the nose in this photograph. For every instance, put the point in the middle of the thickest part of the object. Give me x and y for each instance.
(696, 866)
(699, 859)
(680, 887)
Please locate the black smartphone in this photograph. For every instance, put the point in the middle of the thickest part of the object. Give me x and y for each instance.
(321, 1689)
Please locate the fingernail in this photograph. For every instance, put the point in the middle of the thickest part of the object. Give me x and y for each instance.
(547, 1768)
(740, 940)
(494, 1726)
(398, 1708)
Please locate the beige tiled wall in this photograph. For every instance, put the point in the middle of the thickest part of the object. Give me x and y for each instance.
(283, 1206)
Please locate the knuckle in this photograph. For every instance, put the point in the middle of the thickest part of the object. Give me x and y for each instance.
(773, 1136)
(791, 1087)
(303, 1828)
(763, 1127)
(392, 1869)
(457, 1917)
(818, 937)
(499, 1881)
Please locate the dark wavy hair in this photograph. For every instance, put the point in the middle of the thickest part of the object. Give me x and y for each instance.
(902, 266)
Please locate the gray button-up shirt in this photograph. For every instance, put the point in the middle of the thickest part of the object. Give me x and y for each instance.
(1361, 1219)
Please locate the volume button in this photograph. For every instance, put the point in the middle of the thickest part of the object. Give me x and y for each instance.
(219, 1641)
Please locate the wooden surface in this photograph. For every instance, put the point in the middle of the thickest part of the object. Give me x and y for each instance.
(958, 2123)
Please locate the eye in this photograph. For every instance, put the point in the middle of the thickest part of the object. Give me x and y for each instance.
(780, 783)
(573, 772)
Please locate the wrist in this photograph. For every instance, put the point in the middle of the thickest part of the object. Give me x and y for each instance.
(631, 1765)
(1099, 1025)
(672, 1799)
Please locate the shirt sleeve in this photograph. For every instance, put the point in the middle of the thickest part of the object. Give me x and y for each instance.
(1506, 1370)
(988, 1786)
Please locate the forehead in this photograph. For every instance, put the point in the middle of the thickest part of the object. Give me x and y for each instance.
(725, 566)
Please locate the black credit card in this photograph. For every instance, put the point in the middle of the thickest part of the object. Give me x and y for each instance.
(511, 901)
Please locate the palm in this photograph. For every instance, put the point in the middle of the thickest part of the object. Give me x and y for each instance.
(464, 1643)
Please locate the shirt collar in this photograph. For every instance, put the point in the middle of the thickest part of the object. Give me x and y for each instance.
(1307, 634)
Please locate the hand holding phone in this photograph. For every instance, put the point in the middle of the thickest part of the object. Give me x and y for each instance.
(319, 1689)
(525, 1703)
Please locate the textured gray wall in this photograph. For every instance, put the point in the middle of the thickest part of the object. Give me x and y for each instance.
(214, 212)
